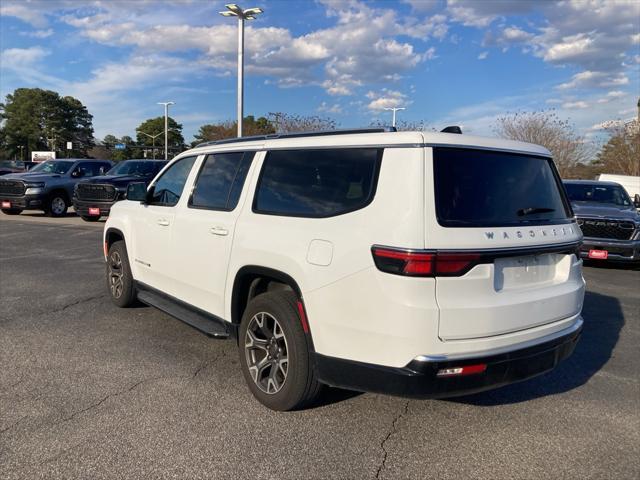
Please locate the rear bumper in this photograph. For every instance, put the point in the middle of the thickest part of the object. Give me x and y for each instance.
(25, 202)
(618, 250)
(419, 378)
(82, 207)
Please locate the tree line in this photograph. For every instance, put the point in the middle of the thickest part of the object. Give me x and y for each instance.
(33, 119)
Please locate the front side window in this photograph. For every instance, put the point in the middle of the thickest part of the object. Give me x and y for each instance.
(166, 191)
(480, 188)
(220, 181)
(317, 183)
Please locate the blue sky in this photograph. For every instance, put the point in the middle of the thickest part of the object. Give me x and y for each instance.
(448, 62)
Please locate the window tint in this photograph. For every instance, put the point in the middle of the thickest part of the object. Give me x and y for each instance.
(220, 181)
(91, 169)
(317, 183)
(168, 188)
(477, 188)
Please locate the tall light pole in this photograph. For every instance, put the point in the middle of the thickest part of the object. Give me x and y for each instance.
(234, 10)
(166, 127)
(394, 110)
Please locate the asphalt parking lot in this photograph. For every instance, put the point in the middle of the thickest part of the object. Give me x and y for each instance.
(88, 390)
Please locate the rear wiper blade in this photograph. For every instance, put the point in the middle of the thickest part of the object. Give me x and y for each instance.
(531, 210)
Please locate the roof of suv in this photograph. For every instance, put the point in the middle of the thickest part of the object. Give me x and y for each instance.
(375, 139)
(591, 182)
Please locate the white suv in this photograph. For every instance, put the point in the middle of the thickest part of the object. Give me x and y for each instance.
(415, 264)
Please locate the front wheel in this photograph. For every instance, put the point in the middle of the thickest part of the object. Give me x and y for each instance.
(275, 354)
(12, 211)
(119, 278)
(57, 206)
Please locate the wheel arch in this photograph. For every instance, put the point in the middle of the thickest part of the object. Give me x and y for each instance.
(252, 280)
(112, 235)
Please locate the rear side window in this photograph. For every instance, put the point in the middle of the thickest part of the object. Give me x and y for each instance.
(317, 183)
(477, 188)
(220, 181)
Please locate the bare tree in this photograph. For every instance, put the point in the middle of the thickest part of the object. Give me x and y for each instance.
(621, 154)
(287, 123)
(569, 149)
(405, 125)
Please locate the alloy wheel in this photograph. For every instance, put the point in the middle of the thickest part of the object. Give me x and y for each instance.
(58, 206)
(266, 353)
(116, 274)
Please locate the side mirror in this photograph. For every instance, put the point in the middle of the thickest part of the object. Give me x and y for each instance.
(636, 200)
(137, 192)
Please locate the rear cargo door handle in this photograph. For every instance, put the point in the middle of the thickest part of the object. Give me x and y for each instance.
(163, 222)
(219, 231)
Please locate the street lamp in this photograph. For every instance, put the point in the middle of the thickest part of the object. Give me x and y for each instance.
(234, 10)
(166, 127)
(153, 140)
(394, 110)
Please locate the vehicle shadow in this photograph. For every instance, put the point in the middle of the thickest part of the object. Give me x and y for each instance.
(611, 265)
(603, 320)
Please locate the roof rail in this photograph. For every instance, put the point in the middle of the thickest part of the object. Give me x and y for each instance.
(321, 133)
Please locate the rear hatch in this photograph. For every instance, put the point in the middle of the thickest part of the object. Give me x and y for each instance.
(506, 215)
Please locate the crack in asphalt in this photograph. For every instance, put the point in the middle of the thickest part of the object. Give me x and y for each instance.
(77, 302)
(12, 425)
(207, 364)
(392, 431)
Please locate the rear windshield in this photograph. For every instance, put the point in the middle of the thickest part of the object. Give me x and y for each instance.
(478, 188)
(612, 194)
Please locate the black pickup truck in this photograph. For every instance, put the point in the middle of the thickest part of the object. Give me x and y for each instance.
(94, 197)
(48, 186)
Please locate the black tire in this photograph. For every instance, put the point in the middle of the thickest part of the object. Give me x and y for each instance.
(299, 387)
(93, 218)
(119, 278)
(57, 205)
(12, 211)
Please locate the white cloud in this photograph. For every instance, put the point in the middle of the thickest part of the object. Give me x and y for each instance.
(19, 58)
(324, 107)
(483, 55)
(386, 98)
(590, 79)
(38, 33)
(474, 13)
(574, 105)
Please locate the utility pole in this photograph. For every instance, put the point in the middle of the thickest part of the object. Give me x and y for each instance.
(153, 140)
(166, 127)
(234, 10)
(394, 110)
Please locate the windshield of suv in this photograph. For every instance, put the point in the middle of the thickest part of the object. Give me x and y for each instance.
(480, 188)
(52, 166)
(142, 168)
(612, 194)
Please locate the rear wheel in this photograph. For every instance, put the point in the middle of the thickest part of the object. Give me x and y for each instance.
(93, 218)
(57, 205)
(12, 211)
(275, 354)
(119, 278)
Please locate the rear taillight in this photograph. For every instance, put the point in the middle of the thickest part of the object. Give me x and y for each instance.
(423, 264)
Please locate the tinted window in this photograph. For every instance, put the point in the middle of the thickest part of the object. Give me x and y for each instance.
(483, 188)
(168, 188)
(598, 194)
(220, 181)
(141, 168)
(317, 183)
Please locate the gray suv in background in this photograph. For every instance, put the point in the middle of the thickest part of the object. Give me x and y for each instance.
(608, 218)
(47, 186)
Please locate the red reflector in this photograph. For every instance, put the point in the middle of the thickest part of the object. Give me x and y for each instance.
(303, 317)
(459, 371)
(452, 263)
(410, 263)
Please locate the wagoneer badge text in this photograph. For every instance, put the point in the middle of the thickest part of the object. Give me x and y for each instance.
(545, 232)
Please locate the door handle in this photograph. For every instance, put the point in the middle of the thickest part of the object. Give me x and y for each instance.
(219, 231)
(163, 222)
